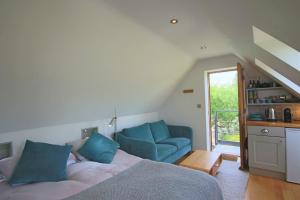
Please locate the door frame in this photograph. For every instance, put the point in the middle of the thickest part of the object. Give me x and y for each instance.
(242, 116)
(228, 69)
(242, 110)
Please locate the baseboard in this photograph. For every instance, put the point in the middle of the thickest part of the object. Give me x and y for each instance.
(267, 173)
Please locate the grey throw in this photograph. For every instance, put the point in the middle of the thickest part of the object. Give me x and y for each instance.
(148, 180)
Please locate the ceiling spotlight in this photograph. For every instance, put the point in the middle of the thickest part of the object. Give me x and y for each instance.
(174, 21)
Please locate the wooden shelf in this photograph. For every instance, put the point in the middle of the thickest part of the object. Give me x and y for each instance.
(267, 104)
(268, 88)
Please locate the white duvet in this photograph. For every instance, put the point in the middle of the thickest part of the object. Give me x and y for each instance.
(80, 177)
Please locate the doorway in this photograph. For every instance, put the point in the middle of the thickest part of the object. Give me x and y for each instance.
(224, 112)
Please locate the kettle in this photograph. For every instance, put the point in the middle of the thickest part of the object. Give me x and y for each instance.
(270, 114)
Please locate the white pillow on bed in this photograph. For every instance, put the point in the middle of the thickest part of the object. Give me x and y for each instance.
(71, 160)
(7, 166)
(76, 144)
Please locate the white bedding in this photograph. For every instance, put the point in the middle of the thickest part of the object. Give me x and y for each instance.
(81, 176)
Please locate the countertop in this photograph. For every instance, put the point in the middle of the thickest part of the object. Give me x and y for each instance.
(293, 124)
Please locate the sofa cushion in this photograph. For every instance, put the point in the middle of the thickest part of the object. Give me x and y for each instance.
(99, 148)
(41, 162)
(142, 132)
(159, 130)
(165, 150)
(179, 142)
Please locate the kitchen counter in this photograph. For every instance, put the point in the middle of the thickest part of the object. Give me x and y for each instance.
(293, 124)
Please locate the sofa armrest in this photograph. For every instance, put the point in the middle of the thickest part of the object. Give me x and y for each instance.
(140, 148)
(181, 131)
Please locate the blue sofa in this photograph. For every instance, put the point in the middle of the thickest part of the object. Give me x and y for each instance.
(156, 141)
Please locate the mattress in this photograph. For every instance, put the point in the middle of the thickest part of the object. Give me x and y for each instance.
(81, 176)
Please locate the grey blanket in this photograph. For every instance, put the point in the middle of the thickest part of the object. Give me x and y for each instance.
(148, 180)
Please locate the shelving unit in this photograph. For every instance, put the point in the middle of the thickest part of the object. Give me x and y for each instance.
(268, 89)
(267, 93)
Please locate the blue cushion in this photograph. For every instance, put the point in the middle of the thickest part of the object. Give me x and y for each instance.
(142, 132)
(99, 148)
(165, 150)
(179, 142)
(159, 130)
(41, 162)
(179, 154)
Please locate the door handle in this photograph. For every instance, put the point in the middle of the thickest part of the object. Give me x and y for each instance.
(265, 131)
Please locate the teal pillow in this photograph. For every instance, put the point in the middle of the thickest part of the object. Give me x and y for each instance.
(99, 148)
(159, 130)
(142, 132)
(41, 162)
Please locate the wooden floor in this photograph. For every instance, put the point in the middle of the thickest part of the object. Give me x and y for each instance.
(261, 188)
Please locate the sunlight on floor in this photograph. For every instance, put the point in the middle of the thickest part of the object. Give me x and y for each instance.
(227, 149)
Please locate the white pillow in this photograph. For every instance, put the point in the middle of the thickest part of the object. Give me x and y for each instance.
(7, 166)
(76, 144)
(71, 159)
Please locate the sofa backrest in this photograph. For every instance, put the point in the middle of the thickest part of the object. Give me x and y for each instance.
(141, 132)
(159, 130)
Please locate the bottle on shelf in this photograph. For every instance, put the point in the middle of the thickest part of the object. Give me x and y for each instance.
(250, 84)
(255, 97)
(258, 83)
(250, 97)
(253, 84)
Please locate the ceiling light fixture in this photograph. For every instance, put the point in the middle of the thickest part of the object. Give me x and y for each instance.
(174, 21)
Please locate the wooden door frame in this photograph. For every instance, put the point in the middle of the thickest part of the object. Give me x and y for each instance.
(241, 106)
(242, 115)
(208, 85)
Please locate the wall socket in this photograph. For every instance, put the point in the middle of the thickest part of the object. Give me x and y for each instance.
(198, 105)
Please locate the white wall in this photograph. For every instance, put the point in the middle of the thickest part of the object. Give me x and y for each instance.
(182, 108)
(68, 61)
(69, 132)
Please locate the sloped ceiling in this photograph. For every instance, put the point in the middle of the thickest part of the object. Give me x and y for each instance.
(195, 27)
(72, 60)
(224, 26)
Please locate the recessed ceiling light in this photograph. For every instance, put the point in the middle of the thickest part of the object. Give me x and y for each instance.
(174, 21)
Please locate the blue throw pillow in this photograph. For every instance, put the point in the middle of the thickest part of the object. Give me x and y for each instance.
(99, 148)
(41, 162)
(142, 132)
(160, 130)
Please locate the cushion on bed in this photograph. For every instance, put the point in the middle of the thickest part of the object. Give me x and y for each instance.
(142, 132)
(99, 148)
(179, 142)
(165, 150)
(41, 162)
(159, 130)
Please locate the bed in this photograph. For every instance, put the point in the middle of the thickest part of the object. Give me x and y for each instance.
(127, 177)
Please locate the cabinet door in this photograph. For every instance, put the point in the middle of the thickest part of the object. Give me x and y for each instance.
(267, 153)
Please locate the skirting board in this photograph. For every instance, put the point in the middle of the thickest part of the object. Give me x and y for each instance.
(267, 173)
